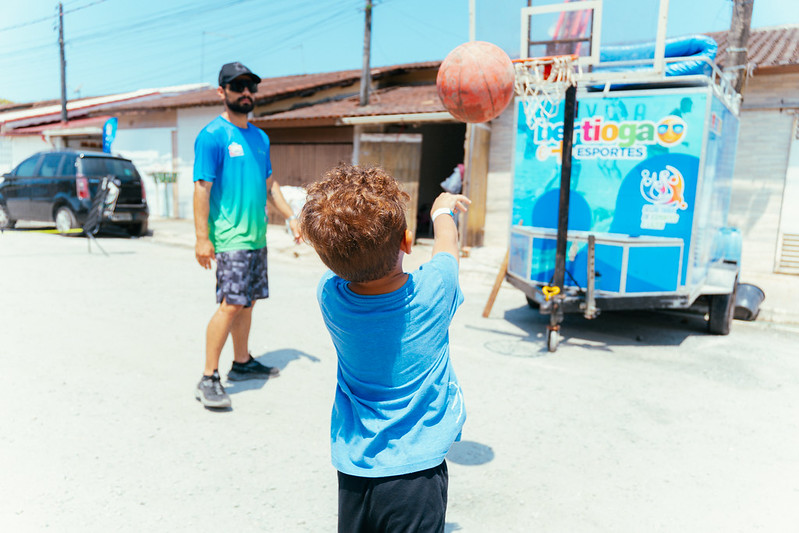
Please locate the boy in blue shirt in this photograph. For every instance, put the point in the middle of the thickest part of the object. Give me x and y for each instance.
(398, 406)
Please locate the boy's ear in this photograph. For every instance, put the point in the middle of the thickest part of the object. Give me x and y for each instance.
(407, 242)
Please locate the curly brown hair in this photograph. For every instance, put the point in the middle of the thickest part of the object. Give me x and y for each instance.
(354, 217)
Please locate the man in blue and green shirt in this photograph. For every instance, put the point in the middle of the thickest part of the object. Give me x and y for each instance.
(232, 177)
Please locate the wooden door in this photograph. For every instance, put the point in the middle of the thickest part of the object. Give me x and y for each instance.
(400, 154)
(475, 182)
(299, 165)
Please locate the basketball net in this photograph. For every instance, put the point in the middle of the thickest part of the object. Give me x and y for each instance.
(541, 82)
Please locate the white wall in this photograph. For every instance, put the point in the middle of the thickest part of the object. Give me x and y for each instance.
(15, 149)
(190, 122)
(150, 149)
(760, 165)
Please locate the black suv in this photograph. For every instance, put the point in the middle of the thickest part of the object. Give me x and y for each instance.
(59, 186)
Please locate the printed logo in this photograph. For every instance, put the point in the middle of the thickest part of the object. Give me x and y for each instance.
(664, 191)
(608, 139)
(235, 149)
(671, 130)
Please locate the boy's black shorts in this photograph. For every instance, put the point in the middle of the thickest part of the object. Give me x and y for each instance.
(241, 276)
(406, 503)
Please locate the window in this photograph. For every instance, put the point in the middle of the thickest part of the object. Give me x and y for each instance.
(69, 166)
(102, 166)
(50, 165)
(27, 167)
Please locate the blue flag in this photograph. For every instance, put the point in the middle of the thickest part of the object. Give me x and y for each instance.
(109, 133)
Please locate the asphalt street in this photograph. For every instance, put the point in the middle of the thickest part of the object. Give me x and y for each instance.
(639, 422)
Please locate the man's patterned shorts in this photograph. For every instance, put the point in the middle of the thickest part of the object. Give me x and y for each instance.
(241, 276)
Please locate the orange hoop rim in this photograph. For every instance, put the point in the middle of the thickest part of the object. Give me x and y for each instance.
(545, 59)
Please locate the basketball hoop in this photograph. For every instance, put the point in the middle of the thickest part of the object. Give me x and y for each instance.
(541, 81)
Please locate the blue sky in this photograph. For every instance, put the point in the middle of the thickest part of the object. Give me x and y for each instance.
(124, 45)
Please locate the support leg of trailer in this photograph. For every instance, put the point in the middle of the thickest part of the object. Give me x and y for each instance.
(569, 114)
(590, 295)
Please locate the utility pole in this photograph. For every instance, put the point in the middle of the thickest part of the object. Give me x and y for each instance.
(63, 62)
(738, 41)
(366, 78)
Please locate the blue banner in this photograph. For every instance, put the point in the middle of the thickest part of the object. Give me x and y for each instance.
(109, 133)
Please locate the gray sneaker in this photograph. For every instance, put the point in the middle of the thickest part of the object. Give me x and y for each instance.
(211, 393)
(252, 369)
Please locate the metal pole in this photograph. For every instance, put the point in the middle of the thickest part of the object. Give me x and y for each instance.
(63, 62)
(472, 30)
(660, 40)
(569, 112)
(366, 78)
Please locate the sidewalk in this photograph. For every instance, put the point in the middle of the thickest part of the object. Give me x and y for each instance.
(780, 306)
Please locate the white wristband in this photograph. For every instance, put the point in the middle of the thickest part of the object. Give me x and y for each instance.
(442, 211)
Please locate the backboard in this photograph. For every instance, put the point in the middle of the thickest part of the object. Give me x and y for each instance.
(585, 27)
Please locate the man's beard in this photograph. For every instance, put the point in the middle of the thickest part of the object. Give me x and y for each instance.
(236, 107)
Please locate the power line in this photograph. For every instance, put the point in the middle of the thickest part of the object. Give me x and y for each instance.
(264, 32)
(48, 18)
(29, 23)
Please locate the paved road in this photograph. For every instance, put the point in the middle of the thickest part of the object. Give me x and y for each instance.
(640, 422)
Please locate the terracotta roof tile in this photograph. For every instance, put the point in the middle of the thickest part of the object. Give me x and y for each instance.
(775, 46)
(271, 89)
(389, 101)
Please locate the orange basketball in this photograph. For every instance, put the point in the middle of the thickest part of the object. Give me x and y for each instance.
(475, 81)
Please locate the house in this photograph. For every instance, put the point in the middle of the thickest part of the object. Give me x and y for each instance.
(315, 120)
(32, 127)
(766, 181)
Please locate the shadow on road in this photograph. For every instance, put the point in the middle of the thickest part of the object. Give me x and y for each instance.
(106, 231)
(470, 453)
(276, 358)
(610, 329)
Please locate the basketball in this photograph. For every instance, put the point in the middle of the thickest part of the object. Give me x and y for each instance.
(475, 81)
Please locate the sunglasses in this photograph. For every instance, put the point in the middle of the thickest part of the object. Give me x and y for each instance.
(238, 86)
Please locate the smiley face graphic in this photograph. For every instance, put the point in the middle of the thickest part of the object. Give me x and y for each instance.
(670, 130)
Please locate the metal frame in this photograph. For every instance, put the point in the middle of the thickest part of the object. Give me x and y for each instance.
(596, 26)
(590, 72)
(611, 239)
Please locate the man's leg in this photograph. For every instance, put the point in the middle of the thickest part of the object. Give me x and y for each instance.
(244, 366)
(216, 334)
(240, 333)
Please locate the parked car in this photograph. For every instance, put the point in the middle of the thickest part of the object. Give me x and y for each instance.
(58, 187)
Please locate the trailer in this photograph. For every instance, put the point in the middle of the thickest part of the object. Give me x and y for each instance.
(622, 183)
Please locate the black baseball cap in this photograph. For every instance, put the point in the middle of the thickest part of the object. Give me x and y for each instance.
(231, 71)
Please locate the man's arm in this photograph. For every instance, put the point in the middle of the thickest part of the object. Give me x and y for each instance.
(203, 248)
(283, 206)
(444, 210)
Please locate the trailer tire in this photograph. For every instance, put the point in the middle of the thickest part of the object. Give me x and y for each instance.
(553, 339)
(721, 311)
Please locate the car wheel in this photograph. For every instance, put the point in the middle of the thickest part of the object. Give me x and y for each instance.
(65, 220)
(138, 230)
(6, 222)
(721, 311)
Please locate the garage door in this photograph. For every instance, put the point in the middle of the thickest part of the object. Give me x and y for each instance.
(301, 164)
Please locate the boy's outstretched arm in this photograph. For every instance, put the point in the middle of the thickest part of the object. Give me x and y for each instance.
(443, 212)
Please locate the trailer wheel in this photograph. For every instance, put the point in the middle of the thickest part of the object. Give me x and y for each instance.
(553, 339)
(721, 311)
